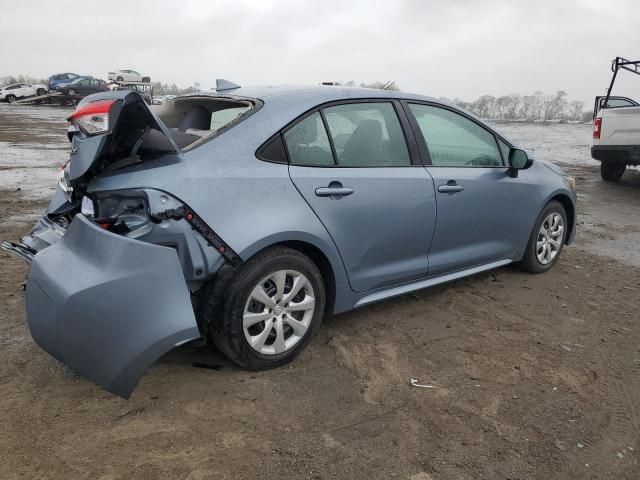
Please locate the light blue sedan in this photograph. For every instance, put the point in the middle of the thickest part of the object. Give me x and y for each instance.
(247, 215)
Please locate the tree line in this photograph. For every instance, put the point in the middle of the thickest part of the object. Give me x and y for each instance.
(539, 106)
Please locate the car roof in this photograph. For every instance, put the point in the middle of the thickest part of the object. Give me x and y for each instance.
(321, 92)
(301, 98)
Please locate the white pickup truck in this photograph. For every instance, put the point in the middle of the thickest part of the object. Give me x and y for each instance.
(616, 128)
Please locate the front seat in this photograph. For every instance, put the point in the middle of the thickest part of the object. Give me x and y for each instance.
(365, 145)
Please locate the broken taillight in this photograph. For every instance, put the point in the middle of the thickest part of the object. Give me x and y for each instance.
(93, 118)
(597, 126)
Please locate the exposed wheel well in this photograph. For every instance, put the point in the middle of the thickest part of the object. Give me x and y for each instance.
(569, 208)
(323, 264)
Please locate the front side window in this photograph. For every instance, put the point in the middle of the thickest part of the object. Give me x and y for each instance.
(505, 149)
(308, 144)
(367, 135)
(454, 140)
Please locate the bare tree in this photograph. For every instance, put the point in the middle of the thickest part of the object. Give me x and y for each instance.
(391, 85)
(513, 105)
(484, 106)
(577, 110)
(554, 105)
(528, 107)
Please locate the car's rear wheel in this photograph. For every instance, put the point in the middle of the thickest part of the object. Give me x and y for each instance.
(119, 79)
(546, 240)
(11, 98)
(146, 79)
(271, 309)
(41, 91)
(612, 171)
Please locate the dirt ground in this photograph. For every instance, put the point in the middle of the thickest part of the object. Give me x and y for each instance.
(534, 376)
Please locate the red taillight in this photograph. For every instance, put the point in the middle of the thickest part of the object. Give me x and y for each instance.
(93, 117)
(597, 126)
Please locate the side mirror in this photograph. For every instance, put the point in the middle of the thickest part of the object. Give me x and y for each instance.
(518, 160)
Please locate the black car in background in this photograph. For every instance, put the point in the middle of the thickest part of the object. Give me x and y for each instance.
(83, 86)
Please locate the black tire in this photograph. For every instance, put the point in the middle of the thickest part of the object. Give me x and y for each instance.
(530, 262)
(223, 311)
(71, 92)
(41, 91)
(119, 79)
(612, 171)
(11, 98)
(146, 80)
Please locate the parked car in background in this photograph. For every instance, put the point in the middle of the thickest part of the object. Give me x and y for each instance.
(16, 91)
(128, 76)
(60, 79)
(83, 86)
(246, 215)
(616, 128)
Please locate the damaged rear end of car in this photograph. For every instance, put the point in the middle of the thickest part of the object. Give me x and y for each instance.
(113, 272)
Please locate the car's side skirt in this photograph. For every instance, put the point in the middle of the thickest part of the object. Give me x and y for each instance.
(428, 282)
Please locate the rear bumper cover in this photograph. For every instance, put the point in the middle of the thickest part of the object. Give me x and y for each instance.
(108, 306)
(616, 153)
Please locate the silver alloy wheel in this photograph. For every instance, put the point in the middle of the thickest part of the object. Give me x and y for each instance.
(550, 238)
(278, 312)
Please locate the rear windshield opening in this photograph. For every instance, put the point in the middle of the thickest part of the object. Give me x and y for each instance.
(192, 120)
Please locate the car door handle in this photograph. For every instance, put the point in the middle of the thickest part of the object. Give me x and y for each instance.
(450, 187)
(333, 191)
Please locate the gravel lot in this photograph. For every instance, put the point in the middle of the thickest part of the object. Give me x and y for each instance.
(534, 376)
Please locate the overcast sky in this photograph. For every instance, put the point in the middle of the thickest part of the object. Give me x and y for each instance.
(453, 48)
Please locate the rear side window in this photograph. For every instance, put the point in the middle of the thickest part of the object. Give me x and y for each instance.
(308, 143)
(367, 135)
(619, 102)
(455, 141)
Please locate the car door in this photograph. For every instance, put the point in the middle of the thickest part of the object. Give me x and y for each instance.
(480, 206)
(84, 86)
(352, 165)
(21, 91)
(95, 86)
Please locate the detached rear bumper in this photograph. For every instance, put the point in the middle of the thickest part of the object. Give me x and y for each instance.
(108, 306)
(629, 154)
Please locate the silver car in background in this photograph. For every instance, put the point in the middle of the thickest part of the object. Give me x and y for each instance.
(246, 215)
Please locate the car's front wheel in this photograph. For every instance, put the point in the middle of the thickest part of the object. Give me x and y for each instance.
(71, 92)
(41, 91)
(612, 171)
(271, 309)
(11, 98)
(546, 240)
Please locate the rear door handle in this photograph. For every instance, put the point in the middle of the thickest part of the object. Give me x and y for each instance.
(451, 187)
(333, 190)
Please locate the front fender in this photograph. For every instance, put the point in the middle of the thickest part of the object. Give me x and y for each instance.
(108, 306)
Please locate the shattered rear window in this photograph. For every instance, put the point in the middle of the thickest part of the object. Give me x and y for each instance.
(193, 120)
